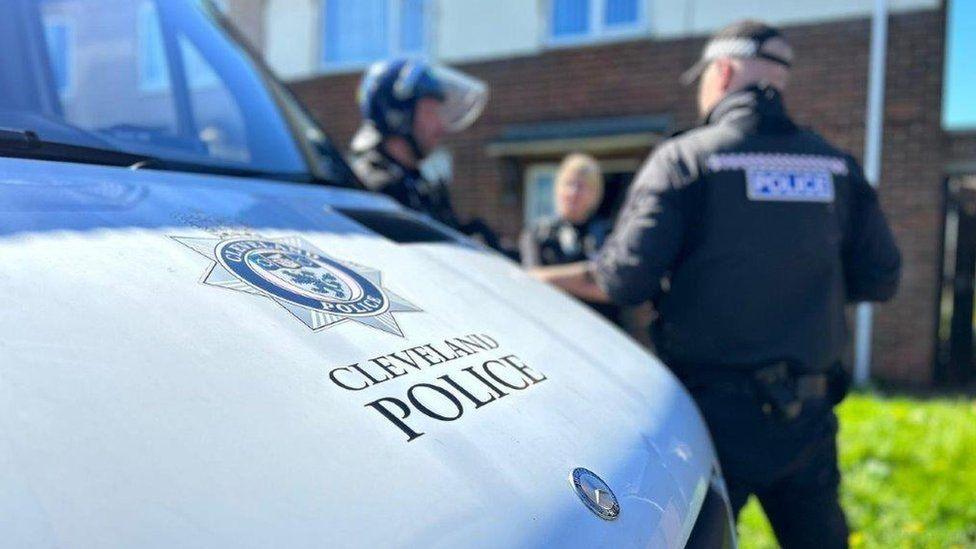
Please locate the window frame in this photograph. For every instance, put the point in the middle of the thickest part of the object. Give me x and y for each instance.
(395, 9)
(196, 81)
(598, 31)
(535, 169)
(145, 85)
(530, 190)
(207, 78)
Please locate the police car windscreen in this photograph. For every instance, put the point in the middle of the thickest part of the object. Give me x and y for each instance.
(148, 77)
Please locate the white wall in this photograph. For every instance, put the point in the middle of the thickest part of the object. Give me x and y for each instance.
(687, 17)
(473, 29)
(467, 30)
(291, 31)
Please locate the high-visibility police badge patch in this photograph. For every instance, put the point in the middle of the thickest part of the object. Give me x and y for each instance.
(790, 186)
(319, 290)
(778, 177)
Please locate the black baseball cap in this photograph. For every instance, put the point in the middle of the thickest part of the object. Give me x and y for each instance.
(744, 39)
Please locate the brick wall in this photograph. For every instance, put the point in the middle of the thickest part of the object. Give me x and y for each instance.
(962, 147)
(828, 93)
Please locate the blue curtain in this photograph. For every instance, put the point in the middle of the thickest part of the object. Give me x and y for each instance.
(570, 17)
(620, 12)
(355, 30)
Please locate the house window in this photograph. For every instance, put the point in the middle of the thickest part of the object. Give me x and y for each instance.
(538, 198)
(540, 181)
(358, 32)
(582, 20)
(59, 36)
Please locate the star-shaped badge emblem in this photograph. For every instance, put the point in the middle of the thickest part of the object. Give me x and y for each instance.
(317, 289)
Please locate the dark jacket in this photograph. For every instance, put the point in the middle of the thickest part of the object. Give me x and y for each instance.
(379, 172)
(750, 234)
(556, 241)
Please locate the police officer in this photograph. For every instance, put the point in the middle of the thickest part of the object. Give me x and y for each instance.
(408, 108)
(576, 232)
(750, 234)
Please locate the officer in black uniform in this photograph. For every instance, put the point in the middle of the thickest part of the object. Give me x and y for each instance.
(557, 241)
(408, 108)
(577, 231)
(750, 234)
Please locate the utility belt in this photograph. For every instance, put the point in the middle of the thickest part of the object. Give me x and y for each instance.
(780, 387)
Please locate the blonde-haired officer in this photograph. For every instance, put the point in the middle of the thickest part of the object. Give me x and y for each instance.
(576, 232)
(579, 187)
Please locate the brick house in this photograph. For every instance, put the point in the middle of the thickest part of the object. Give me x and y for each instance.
(601, 76)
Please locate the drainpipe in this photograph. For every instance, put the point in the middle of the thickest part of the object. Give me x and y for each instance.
(872, 169)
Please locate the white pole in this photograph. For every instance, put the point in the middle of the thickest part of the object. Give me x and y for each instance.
(872, 168)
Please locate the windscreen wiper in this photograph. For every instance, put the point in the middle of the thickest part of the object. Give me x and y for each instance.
(18, 139)
(27, 144)
(155, 163)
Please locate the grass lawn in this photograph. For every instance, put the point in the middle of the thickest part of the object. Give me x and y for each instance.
(909, 469)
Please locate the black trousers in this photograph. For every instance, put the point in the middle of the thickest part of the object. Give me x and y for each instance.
(790, 466)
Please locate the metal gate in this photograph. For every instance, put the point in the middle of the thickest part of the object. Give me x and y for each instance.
(956, 359)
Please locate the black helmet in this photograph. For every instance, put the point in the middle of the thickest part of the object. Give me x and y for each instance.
(390, 90)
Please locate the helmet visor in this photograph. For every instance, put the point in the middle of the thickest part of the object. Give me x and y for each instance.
(464, 98)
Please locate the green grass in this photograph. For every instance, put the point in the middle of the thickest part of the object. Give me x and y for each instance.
(909, 469)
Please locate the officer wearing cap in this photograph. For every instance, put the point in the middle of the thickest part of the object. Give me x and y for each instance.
(750, 234)
(408, 108)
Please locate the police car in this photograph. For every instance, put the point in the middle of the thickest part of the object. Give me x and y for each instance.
(208, 340)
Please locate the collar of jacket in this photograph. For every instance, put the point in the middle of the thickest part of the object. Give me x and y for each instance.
(757, 108)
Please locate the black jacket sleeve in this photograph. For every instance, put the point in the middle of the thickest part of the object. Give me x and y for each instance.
(872, 262)
(648, 234)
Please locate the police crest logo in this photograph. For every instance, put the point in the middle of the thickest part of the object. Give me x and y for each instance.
(317, 289)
